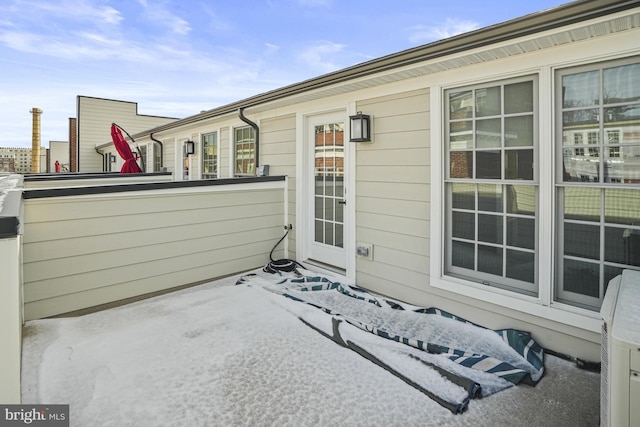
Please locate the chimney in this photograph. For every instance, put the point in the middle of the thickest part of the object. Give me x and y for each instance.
(35, 141)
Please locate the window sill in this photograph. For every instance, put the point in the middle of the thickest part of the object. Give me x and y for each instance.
(560, 313)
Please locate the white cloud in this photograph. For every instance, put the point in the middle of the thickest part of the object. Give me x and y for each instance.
(162, 15)
(320, 55)
(449, 28)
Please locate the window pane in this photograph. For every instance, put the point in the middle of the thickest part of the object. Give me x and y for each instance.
(328, 209)
(463, 196)
(620, 115)
(581, 89)
(584, 122)
(519, 164)
(463, 225)
(518, 98)
(622, 206)
(521, 199)
(581, 166)
(490, 228)
(582, 240)
(462, 255)
(490, 260)
(488, 133)
(521, 232)
(622, 164)
(460, 135)
(622, 84)
(488, 165)
(461, 164)
(582, 278)
(460, 105)
(582, 204)
(518, 131)
(521, 266)
(622, 245)
(488, 101)
(490, 198)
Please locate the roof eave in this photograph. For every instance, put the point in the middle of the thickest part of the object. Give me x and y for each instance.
(519, 27)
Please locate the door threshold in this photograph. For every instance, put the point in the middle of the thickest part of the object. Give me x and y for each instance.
(326, 268)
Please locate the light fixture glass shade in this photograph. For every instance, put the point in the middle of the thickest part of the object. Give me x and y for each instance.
(190, 147)
(360, 128)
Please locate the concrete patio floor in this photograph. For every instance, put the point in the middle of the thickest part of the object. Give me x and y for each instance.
(215, 355)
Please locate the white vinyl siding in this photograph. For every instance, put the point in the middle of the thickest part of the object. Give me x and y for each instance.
(82, 251)
(392, 193)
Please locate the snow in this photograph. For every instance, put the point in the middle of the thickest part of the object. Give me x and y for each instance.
(222, 354)
(7, 182)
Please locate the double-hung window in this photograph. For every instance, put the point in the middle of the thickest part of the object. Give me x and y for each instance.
(210, 155)
(245, 151)
(491, 184)
(597, 193)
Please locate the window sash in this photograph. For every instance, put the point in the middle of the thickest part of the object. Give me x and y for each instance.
(597, 191)
(491, 146)
(244, 152)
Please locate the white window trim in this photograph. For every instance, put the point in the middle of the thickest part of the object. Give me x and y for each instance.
(218, 152)
(541, 305)
(232, 145)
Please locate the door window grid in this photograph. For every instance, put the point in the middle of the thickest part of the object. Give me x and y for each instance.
(210, 155)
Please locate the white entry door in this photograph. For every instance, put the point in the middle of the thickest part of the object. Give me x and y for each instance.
(327, 173)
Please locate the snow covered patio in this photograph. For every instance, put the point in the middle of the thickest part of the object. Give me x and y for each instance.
(231, 355)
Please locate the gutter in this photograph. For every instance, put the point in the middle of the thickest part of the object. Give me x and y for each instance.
(257, 132)
(570, 13)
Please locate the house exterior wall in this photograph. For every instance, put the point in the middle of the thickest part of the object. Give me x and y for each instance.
(85, 250)
(399, 178)
(94, 118)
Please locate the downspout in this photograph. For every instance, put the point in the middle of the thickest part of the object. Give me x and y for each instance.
(161, 149)
(104, 161)
(257, 131)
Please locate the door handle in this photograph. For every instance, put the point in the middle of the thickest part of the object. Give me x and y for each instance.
(342, 202)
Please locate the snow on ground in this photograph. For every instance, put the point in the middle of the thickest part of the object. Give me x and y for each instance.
(7, 182)
(226, 355)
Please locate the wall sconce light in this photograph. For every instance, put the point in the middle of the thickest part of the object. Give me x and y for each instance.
(112, 158)
(190, 147)
(360, 128)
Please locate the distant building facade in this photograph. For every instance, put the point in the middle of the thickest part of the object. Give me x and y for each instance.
(18, 159)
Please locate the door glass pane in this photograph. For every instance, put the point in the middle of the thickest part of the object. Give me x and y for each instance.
(488, 165)
(329, 188)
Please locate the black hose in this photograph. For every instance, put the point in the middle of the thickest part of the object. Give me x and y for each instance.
(281, 265)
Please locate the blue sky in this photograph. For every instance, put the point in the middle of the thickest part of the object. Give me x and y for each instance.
(176, 58)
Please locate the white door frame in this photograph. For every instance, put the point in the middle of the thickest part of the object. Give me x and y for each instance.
(304, 235)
